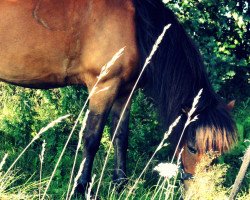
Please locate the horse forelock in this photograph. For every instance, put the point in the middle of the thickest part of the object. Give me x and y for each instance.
(214, 131)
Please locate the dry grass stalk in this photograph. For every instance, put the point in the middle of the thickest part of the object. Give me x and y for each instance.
(41, 157)
(77, 149)
(50, 125)
(167, 133)
(170, 187)
(104, 71)
(3, 162)
(241, 174)
(106, 68)
(76, 179)
(189, 120)
(90, 187)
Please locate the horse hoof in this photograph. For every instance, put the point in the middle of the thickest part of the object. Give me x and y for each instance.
(81, 188)
(91, 196)
(120, 184)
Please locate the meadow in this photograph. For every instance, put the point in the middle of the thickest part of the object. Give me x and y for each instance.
(25, 113)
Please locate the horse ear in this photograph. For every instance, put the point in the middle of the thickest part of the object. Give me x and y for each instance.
(230, 105)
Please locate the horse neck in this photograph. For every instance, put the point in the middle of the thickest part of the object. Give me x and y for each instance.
(182, 76)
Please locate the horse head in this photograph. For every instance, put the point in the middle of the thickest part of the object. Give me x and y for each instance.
(213, 132)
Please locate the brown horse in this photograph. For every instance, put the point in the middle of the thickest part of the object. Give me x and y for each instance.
(54, 43)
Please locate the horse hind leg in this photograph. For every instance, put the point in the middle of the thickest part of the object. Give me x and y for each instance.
(120, 141)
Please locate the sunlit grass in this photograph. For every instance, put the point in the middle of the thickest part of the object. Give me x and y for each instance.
(8, 191)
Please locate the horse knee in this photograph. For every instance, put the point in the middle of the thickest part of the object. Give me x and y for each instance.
(91, 142)
(121, 139)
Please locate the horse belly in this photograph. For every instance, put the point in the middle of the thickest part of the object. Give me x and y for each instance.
(30, 54)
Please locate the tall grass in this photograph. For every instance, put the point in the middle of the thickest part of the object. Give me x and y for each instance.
(10, 176)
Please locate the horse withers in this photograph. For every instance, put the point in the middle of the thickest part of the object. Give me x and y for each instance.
(55, 43)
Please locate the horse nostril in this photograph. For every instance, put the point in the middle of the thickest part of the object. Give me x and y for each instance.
(185, 176)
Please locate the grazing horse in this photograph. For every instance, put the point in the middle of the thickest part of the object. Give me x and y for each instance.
(55, 43)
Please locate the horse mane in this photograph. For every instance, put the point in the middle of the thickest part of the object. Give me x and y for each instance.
(176, 74)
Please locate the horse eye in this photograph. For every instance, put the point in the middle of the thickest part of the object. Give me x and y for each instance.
(192, 150)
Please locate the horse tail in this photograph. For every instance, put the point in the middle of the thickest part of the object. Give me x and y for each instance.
(176, 72)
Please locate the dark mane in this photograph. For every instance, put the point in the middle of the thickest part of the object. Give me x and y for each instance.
(177, 73)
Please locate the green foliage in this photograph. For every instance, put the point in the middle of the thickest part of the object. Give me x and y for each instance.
(233, 158)
(24, 113)
(145, 132)
(220, 28)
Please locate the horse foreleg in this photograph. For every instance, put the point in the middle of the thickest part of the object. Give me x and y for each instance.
(120, 141)
(92, 137)
(99, 106)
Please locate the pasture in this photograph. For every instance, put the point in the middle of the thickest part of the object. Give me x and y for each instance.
(27, 121)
